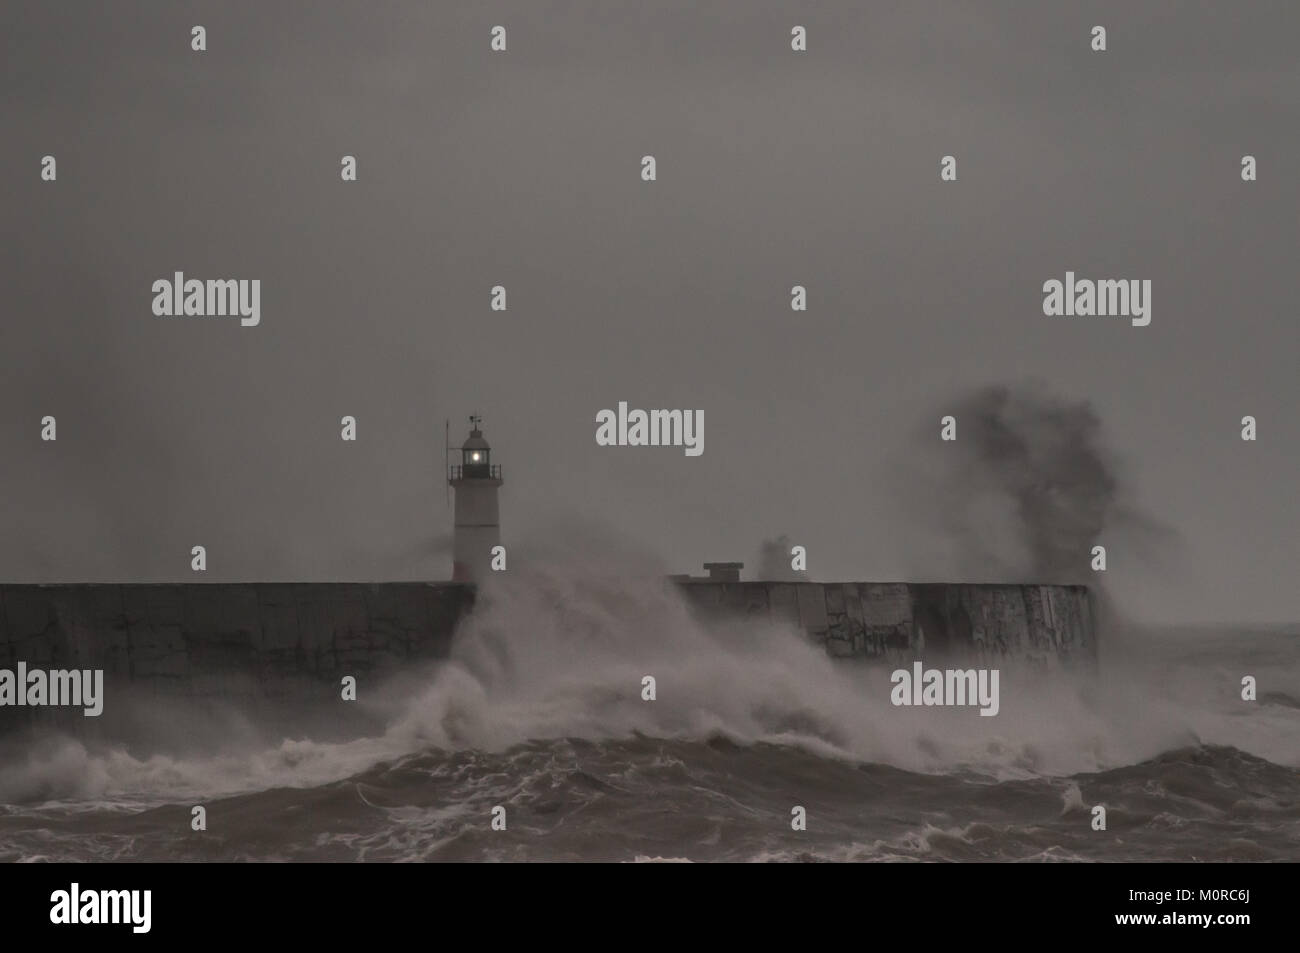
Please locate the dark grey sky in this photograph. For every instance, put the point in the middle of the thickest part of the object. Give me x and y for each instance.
(522, 169)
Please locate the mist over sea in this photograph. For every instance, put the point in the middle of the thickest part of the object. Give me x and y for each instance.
(539, 710)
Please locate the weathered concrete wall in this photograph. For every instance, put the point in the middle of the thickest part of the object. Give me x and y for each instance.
(258, 644)
(916, 620)
(250, 639)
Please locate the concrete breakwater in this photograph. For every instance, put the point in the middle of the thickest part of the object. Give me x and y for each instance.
(294, 642)
(898, 620)
(289, 641)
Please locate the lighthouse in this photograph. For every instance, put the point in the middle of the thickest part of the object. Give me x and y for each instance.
(478, 524)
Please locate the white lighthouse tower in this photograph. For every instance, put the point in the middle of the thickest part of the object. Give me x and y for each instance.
(478, 523)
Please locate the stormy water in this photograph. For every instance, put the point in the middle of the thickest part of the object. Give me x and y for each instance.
(540, 711)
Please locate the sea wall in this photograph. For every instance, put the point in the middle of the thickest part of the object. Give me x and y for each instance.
(916, 620)
(269, 640)
(255, 643)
